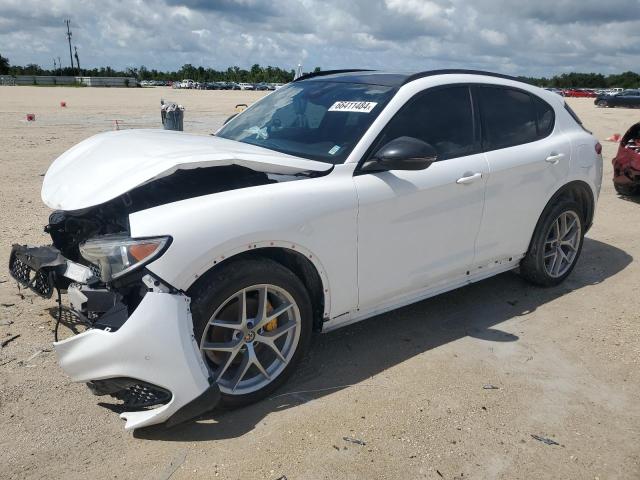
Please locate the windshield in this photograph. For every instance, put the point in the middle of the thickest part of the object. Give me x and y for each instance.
(315, 120)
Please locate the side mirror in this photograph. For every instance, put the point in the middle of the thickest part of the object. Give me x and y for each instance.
(403, 153)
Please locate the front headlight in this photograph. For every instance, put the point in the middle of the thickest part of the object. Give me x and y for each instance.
(117, 254)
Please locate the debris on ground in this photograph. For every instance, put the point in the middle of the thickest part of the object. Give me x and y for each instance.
(39, 352)
(8, 304)
(173, 466)
(547, 441)
(7, 361)
(490, 387)
(354, 440)
(8, 341)
(5, 323)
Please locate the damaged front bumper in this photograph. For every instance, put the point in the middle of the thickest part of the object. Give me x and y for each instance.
(148, 357)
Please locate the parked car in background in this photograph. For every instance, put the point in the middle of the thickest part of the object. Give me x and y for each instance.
(246, 86)
(626, 98)
(578, 92)
(626, 163)
(202, 264)
(557, 91)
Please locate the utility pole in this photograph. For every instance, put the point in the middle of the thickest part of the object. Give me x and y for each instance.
(54, 66)
(77, 59)
(60, 65)
(69, 38)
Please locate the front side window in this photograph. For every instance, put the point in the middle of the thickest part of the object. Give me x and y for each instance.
(508, 117)
(318, 120)
(441, 117)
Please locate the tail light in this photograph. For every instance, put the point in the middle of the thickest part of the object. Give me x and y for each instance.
(598, 148)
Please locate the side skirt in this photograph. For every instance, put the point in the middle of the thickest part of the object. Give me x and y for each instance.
(480, 273)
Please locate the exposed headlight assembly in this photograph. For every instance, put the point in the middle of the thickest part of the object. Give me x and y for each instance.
(118, 254)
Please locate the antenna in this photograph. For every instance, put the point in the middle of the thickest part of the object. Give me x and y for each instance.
(69, 39)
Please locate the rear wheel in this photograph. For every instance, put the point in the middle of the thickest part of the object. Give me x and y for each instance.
(253, 322)
(602, 103)
(556, 245)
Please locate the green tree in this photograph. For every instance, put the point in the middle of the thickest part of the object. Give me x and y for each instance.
(4, 65)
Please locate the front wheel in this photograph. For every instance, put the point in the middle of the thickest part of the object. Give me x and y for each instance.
(556, 245)
(253, 322)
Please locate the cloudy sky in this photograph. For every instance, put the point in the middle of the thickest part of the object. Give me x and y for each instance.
(537, 37)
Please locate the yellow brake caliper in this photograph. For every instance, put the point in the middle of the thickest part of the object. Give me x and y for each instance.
(272, 325)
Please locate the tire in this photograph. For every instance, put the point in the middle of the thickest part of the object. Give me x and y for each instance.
(626, 191)
(537, 266)
(603, 103)
(221, 293)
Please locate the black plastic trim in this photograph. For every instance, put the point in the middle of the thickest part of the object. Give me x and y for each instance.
(330, 72)
(433, 73)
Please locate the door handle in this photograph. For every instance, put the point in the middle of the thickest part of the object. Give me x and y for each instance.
(554, 158)
(469, 178)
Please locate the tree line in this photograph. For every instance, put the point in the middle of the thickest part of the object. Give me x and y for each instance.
(587, 80)
(269, 74)
(255, 74)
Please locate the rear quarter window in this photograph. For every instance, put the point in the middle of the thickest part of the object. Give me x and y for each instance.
(545, 116)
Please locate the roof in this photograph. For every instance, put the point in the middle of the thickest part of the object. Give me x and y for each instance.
(390, 79)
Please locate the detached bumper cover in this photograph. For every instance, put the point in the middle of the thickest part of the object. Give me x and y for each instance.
(155, 345)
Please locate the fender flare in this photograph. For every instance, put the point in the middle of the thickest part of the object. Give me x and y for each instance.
(568, 189)
(279, 244)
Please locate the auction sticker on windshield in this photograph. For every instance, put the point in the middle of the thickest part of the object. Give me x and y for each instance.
(343, 106)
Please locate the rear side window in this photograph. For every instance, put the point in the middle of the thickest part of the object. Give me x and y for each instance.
(508, 117)
(441, 117)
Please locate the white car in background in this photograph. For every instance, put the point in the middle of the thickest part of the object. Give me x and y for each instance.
(201, 265)
(246, 86)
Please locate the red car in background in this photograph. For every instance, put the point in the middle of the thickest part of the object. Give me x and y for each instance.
(573, 92)
(626, 164)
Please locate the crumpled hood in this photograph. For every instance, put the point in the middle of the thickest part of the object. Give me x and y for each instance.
(110, 164)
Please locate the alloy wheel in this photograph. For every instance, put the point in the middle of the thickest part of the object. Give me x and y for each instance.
(562, 243)
(251, 337)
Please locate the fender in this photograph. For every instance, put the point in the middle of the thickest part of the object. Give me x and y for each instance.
(284, 245)
(578, 190)
(315, 216)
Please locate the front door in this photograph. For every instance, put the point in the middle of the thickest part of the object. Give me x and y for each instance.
(417, 229)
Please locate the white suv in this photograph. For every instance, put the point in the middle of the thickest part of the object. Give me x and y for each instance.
(201, 265)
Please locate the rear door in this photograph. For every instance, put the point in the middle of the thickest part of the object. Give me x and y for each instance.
(528, 159)
(417, 229)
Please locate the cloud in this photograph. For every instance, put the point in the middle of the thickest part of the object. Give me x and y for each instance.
(544, 37)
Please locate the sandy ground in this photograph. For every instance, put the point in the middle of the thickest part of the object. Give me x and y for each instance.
(409, 383)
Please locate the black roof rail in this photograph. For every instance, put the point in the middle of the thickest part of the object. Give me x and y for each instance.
(431, 73)
(330, 72)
